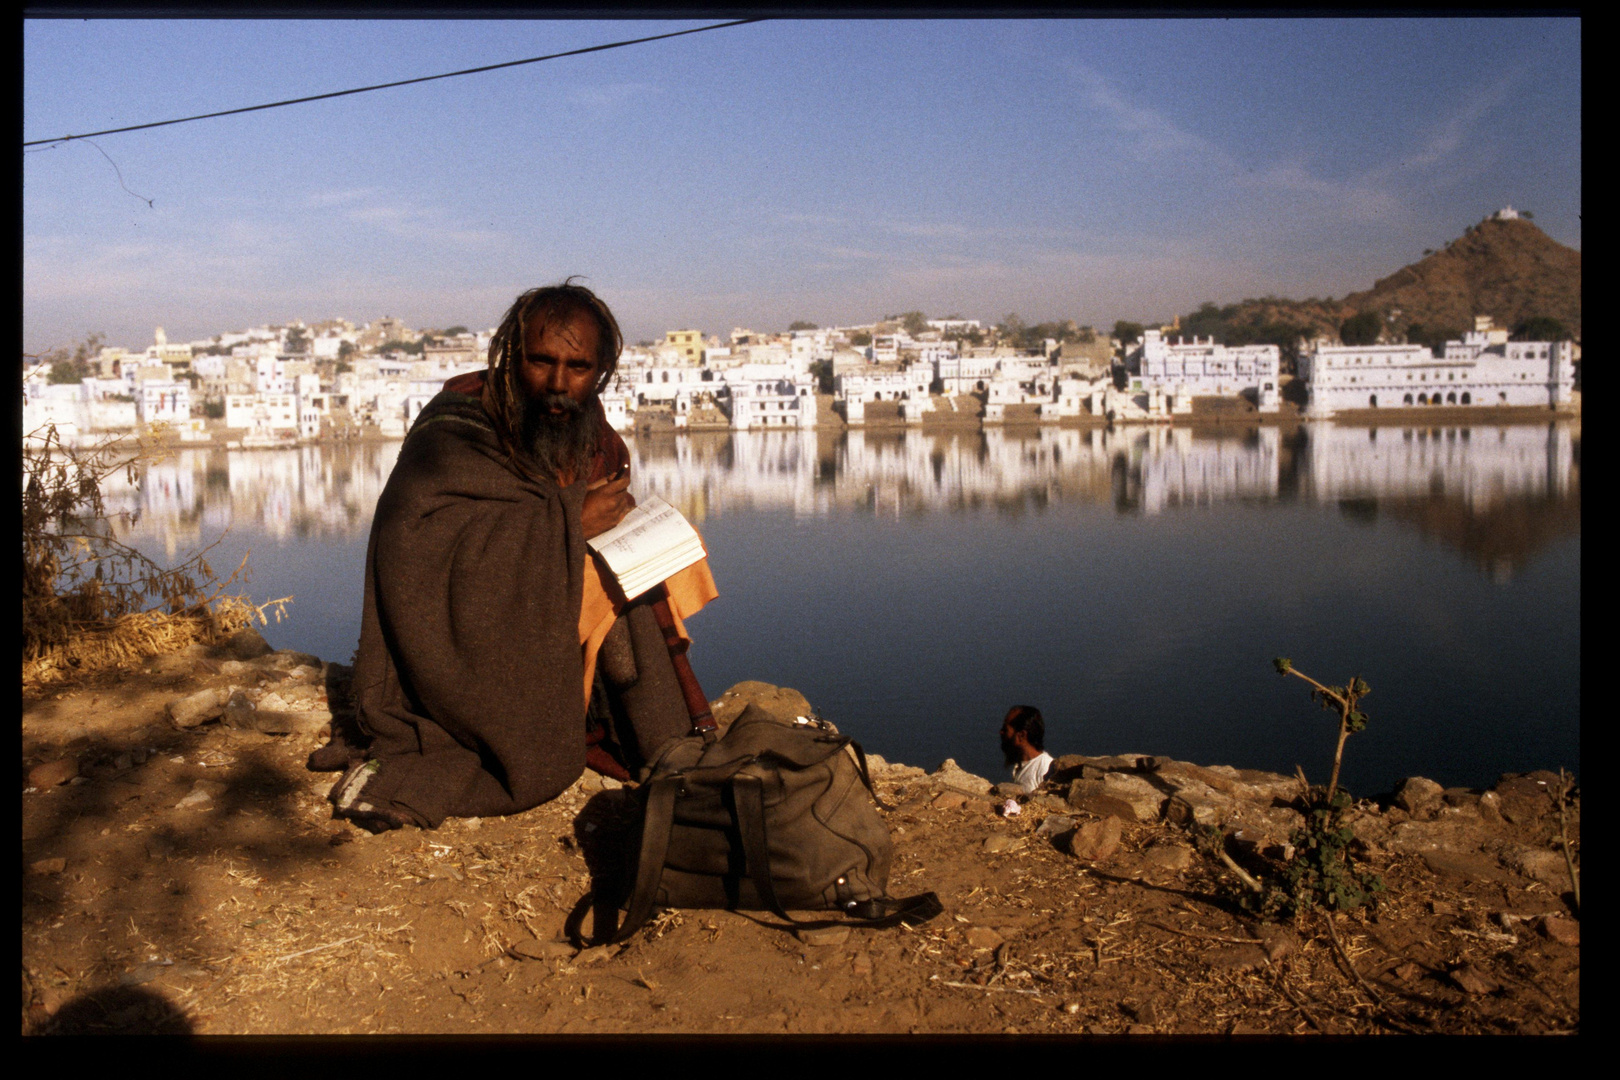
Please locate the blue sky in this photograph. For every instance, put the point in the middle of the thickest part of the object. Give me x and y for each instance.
(833, 171)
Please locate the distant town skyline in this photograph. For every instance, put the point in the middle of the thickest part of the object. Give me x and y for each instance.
(824, 170)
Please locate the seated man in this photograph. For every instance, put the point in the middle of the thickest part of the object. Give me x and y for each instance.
(476, 683)
(1023, 745)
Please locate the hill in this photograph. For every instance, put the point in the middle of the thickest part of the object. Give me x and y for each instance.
(1509, 270)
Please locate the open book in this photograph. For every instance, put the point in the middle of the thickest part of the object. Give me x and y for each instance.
(651, 543)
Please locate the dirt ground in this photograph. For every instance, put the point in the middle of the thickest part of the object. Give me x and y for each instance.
(147, 907)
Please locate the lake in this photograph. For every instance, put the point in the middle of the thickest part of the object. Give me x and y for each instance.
(1132, 583)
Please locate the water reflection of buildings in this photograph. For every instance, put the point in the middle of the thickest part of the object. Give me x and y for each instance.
(331, 491)
(310, 491)
(1479, 466)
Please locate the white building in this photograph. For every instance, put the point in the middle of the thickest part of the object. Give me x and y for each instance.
(770, 395)
(1472, 372)
(1203, 368)
(262, 414)
(163, 402)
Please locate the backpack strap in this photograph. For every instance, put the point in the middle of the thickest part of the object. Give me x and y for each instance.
(656, 827)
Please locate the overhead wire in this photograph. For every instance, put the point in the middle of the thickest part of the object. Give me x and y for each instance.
(389, 85)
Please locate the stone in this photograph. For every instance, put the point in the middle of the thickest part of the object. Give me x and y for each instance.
(982, 937)
(997, 843)
(949, 800)
(825, 935)
(951, 775)
(593, 955)
(1169, 857)
(239, 712)
(783, 703)
(1417, 837)
(1185, 807)
(288, 659)
(201, 794)
(1490, 808)
(1553, 927)
(1056, 826)
(53, 773)
(196, 709)
(1474, 981)
(1459, 864)
(1144, 799)
(861, 966)
(47, 866)
(1547, 867)
(1418, 796)
(1099, 804)
(1008, 790)
(1237, 958)
(1277, 941)
(246, 644)
(1095, 841)
(532, 949)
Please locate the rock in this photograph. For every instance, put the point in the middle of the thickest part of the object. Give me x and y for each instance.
(951, 775)
(47, 866)
(949, 800)
(1008, 790)
(1458, 864)
(196, 709)
(1144, 799)
(1490, 808)
(1251, 785)
(1169, 857)
(246, 644)
(1474, 981)
(1142, 1012)
(1099, 804)
(997, 843)
(532, 949)
(1547, 867)
(1553, 927)
(861, 966)
(53, 773)
(239, 711)
(1056, 826)
(1237, 958)
(1277, 941)
(781, 702)
(1095, 841)
(982, 937)
(1188, 806)
(825, 935)
(1418, 796)
(1416, 837)
(287, 660)
(201, 794)
(593, 955)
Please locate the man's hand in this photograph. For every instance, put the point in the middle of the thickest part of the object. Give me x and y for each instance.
(606, 503)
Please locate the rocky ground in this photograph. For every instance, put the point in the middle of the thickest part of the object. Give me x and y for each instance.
(182, 873)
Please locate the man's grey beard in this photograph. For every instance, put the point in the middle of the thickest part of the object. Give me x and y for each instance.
(563, 444)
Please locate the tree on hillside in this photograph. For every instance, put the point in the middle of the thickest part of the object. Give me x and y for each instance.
(1433, 337)
(1361, 329)
(1541, 328)
(915, 322)
(297, 340)
(1128, 333)
(822, 371)
(800, 324)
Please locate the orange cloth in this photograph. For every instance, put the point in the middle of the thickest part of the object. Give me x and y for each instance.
(689, 590)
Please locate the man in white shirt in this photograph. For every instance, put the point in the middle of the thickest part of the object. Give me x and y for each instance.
(1023, 745)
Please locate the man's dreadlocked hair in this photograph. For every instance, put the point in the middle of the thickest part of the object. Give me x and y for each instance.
(547, 306)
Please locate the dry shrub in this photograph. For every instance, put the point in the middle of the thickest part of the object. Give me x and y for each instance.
(91, 601)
